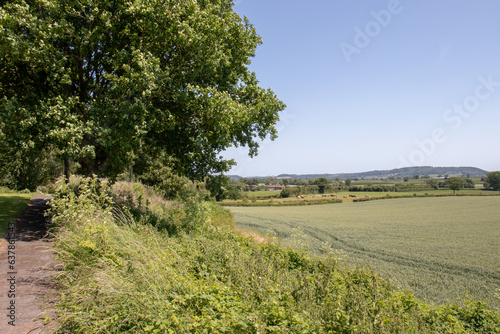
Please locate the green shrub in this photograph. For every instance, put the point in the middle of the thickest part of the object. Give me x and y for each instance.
(17, 168)
(233, 193)
(147, 206)
(158, 173)
(285, 193)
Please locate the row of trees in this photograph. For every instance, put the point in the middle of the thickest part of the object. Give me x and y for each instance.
(452, 183)
(106, 87)
(430, 183)
(491, 182)
(294, 181)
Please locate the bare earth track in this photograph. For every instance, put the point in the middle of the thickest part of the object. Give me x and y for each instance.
(26, 265)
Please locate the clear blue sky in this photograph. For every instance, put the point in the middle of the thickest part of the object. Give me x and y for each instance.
(377, 84)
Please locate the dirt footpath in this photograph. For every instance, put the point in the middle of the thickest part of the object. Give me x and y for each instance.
(26, 263)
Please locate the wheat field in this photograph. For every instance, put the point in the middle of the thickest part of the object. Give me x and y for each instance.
(442, 249)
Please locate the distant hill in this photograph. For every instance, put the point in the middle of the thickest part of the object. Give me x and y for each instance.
(398, 173)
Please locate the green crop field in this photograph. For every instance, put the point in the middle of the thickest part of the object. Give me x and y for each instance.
(12, 205)
(442, 249)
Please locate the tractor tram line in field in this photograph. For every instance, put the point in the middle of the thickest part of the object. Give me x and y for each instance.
(404, 260)
(363, 255)
(440, 248)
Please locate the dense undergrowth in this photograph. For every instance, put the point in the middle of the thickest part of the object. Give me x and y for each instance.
(136, 263)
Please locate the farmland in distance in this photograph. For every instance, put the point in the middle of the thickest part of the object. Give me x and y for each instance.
(442, 249)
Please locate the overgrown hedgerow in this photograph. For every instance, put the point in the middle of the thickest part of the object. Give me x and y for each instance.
(134, 263)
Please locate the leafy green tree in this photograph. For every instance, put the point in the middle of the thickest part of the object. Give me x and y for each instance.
(348, 182)
(233, 193)
(285, 193)
(255, 181)
(218, 186)
(469, 183)
(302, 182)
(27, 169)
(270, 180)
(492, 181)
(159, 174)
(321, 182)
(455, 183)
(433, 183)
(100, 82)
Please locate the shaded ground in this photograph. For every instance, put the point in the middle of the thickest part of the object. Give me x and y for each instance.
(27, 261)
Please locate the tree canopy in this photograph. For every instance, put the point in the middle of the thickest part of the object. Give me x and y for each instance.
(103, 82)
(455, 183)
(433, 183)
(492, 180)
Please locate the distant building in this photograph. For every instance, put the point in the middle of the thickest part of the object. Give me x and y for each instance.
(274, 187)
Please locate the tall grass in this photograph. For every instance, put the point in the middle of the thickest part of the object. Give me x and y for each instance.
(146, 265)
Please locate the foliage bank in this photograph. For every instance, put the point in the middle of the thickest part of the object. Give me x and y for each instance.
(17, 172)
(133, 262)
(172, 79)
(12, 205)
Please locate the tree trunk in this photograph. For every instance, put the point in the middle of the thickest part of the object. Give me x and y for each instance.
(131, 174)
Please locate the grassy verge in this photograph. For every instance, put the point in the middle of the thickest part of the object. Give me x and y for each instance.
(12, 205)
(135, 263)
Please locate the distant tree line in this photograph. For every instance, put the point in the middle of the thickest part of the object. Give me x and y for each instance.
(297, 191)
(295, 187)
